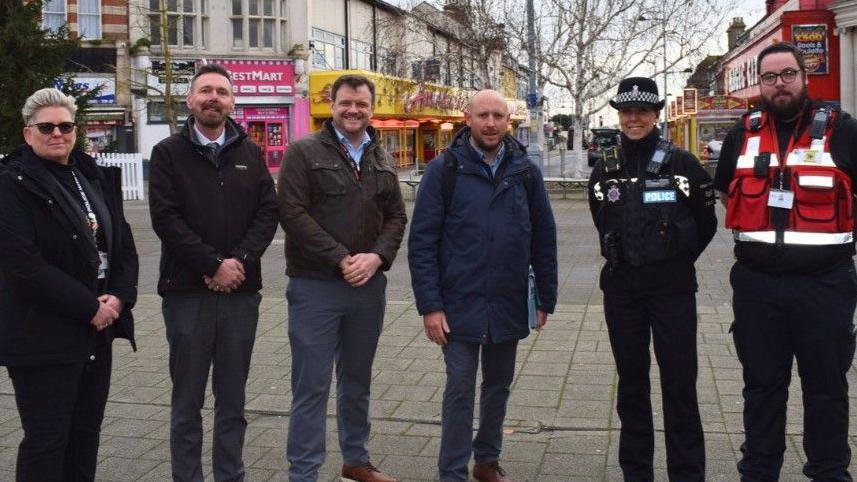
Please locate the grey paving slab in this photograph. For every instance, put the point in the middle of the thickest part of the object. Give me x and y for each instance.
(561, 422)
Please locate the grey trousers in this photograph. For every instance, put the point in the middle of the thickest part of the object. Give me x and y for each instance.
(329, 321)
(205, 329)
(456, 440)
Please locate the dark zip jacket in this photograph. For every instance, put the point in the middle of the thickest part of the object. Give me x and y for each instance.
(206, 208)
(49, 269)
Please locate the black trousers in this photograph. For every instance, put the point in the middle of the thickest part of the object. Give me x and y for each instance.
(632, 321)
(61, 409)
(780, 318)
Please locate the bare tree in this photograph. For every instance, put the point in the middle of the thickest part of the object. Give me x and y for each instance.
(159, 78)
(454, 41)
(586, 46)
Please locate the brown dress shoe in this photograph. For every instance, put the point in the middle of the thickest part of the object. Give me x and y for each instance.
(365, 473)
(490, 472)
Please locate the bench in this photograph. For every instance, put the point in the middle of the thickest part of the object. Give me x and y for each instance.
(566, 183)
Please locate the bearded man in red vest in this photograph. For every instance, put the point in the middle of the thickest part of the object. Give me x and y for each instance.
(786, 174)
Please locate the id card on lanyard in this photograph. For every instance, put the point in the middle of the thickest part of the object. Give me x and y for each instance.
(779, 197)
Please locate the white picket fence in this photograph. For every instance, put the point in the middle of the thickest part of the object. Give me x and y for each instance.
(131, 164)
(133, 188)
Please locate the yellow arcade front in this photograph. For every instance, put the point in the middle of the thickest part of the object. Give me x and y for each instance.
(415, 121)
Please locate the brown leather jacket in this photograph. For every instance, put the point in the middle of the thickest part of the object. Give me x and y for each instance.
(327, 213)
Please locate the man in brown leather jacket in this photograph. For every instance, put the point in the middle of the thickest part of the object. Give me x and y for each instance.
(344, 218)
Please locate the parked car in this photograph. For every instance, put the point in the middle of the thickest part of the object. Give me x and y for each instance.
(601, 137)
(712, 151)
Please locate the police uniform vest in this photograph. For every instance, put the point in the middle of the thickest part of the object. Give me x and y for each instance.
(797, 197)
(645, 219)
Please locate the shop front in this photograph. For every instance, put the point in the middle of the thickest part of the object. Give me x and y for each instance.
(694, 125)
(104, 120)
(415, 121)
(812, 29)
(264, 99)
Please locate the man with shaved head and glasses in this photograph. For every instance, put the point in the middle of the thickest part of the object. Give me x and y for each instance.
(786, 175)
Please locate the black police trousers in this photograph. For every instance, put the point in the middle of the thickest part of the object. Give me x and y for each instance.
(61, 409)
(810, 318)
(632, 321)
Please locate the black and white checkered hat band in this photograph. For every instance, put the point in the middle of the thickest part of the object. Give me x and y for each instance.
(637, 96)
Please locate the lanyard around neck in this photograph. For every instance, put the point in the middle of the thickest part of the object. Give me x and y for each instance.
(91, 218)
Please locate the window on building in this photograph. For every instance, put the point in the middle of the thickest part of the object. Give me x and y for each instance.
(89, 19)
(284, 32)
(255, 24)
(328, 50)
(157, 115)
(53, 14)
(361, 55)
(187, 22)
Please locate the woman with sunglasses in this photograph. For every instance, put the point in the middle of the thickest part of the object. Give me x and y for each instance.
(68, 280)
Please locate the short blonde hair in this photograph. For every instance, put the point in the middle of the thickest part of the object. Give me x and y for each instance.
(48, 97)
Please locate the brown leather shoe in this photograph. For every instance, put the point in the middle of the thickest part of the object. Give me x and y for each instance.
(490, 472)
(365, 473)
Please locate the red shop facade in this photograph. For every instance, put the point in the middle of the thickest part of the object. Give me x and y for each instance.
(264, 103)
(812, 29)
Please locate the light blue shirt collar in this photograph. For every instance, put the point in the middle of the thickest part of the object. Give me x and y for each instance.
(206, 141)
(497, 160)
(356, 154)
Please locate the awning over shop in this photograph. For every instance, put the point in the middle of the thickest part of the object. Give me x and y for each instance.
(104, 113)
(403, 99)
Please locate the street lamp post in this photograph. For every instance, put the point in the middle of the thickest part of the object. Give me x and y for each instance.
(533, 148)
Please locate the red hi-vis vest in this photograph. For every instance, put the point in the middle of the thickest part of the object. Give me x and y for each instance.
(822, 212)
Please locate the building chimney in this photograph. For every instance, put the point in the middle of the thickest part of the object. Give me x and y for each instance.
(734, 32)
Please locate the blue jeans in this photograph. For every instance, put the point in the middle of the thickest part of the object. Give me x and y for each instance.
(330, 321)
(498, 370)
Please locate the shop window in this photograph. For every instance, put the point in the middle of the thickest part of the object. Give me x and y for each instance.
(187, 21)
(89, 19)
(361, 55)
(328, 50)
(156, 114)
(53, 14)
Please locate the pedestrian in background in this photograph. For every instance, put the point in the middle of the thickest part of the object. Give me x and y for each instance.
(68, 281)
(213, 206)
(481, 219)
(653, 206)
(344, 219)
(786, 174)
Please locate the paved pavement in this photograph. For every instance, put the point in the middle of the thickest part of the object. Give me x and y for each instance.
(561, 424)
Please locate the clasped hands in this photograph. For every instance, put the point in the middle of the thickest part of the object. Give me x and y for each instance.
(358, 269)
(109, 308)
(229, 276)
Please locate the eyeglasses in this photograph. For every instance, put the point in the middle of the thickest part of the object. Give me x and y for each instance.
(770, 78)
(47, 128)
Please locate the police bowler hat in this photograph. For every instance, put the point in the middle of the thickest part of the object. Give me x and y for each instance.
(637, 92)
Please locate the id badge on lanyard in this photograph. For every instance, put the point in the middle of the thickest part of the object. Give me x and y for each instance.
(103, 265)
(780, 197)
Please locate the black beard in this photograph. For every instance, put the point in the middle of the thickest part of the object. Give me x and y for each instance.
(788, 111)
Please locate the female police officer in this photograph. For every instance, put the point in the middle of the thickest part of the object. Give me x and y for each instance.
(653, 206)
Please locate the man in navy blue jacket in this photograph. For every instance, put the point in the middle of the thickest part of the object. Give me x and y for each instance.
(482, 217)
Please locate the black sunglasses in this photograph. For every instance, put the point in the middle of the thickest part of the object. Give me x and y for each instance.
(47, 128)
